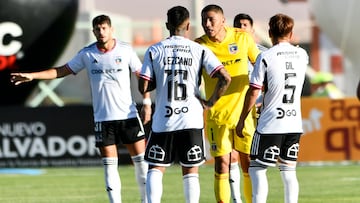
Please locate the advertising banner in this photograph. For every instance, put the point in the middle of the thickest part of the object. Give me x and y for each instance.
(63, 136)
(33, 35)
(332, 130)
(47, 136)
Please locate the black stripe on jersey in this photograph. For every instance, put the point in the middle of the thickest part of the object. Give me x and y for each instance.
(265, 64)
(152, 83)
(201, 66)
(265, 83)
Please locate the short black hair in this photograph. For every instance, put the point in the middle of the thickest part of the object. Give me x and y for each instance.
(101, 19)
(212, 7)
(177, 15)
(242, 16)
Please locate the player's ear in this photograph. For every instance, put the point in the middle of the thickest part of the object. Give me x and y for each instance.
(290, 35)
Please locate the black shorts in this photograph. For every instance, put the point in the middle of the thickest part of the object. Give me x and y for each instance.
(266, 149)
(187, 145)
(126, 131)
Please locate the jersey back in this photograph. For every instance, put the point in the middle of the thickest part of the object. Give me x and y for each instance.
(175, 64)
(280, 71)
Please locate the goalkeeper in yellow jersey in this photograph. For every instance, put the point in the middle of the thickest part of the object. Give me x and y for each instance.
(234, 48)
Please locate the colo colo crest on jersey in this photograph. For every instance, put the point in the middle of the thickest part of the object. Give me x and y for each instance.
(233, 48)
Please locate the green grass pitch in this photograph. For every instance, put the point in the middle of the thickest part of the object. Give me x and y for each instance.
(329, 183)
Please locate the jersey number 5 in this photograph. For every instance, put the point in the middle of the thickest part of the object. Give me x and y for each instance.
(288, 97)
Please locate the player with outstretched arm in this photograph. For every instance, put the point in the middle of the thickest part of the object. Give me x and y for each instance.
(109, 62)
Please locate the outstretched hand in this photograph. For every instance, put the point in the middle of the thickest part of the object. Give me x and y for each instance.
(18, 78)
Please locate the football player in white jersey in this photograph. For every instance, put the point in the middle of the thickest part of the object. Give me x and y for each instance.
(174, 66)
(281, 71)
(108, 63)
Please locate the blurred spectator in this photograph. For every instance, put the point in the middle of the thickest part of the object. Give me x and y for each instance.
(323, 86)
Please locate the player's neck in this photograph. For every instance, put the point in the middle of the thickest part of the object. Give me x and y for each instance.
(107, 46)
(281, 40)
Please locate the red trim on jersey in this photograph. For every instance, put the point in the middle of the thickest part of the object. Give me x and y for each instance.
(255, 86)
(145, 77)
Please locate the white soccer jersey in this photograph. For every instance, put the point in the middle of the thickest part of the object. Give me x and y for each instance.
(281, 70)
(175, 64)
(250, 65)
(109, 75)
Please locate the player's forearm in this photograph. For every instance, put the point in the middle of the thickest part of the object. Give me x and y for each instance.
(45, 75)
(147, 99)
(223, 83)
(52, 73)
(250, 100)
(142, 85)
(146, 95)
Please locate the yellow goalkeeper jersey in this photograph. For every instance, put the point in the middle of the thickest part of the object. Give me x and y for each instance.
(234, 52)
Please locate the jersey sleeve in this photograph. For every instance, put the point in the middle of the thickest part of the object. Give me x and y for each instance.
(76, 64)
(147, 66)
(210, 62)
(135, 63)
(258, 74)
